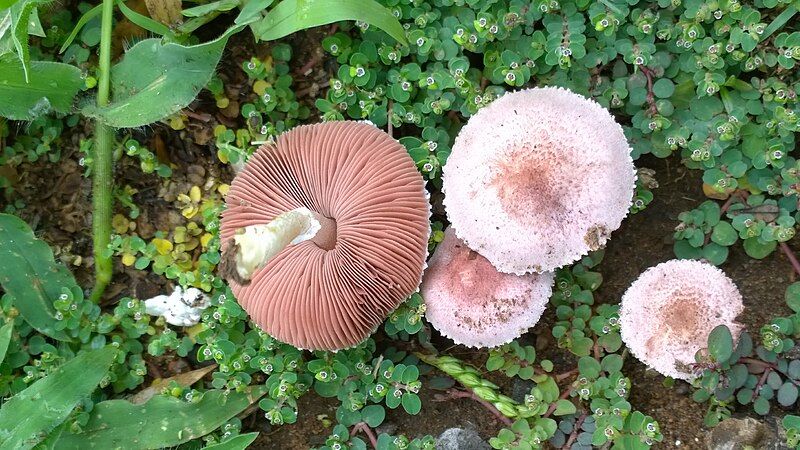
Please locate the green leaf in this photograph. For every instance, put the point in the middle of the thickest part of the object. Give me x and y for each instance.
(715, 253)
(663, 88)
(724, 234)
(52, 87)
(26, 418)
(792, 296)
(564, 407)
(240, 442)
(202, 10)
(5, 339)
(15, 21)
(143, 21)
(495, 362)
(160, 422)
(757, 249)
(411, 403)
(290, 16)
(30, 275)
(155, 80)
(85, 18)
(791, 421)
(589, 367)
(373, 415)
(720, 343)
(787, 394)
(251, 10)
(761, 406)
(7, 3)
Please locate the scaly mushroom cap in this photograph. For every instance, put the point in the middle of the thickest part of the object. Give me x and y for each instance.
(332, 291)
(473, 304)
(537, 179)
(668, 312)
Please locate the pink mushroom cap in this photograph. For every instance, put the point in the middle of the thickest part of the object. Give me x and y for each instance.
(331, 292)
(473, 304)
(537, 179)
(667, 314)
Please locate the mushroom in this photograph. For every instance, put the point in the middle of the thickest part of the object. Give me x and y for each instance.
(473, 304)
(325, 233)
(537, 179)
(667, 314)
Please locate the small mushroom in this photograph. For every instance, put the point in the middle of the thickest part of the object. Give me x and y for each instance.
(537, 179)
(325, 233)
(667, 314)
(473, 304)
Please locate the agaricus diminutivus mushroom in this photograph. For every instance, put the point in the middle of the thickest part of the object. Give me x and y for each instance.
(537, 179)
(325, 233)
(470, 302)
(667, 314)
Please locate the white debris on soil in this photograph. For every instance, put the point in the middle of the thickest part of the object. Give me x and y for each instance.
(181, 308)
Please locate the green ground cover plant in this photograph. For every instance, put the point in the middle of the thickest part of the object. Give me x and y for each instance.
(710, 82)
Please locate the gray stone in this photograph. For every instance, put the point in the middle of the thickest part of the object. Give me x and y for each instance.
(461, 439)
(520, 388)
(743, 434)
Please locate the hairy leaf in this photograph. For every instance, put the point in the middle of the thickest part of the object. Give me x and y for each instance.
(290, 16)
(26, 418)
(30, 275)
(155, 80)
(161, 422)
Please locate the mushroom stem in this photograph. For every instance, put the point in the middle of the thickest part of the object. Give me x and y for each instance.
(257, 244)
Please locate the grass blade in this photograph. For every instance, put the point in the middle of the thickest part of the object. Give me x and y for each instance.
(29, 416)
(5, 339)
(143, 21)
(85, 18)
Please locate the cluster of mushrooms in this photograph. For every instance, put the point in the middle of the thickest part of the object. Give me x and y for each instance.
(326, 232)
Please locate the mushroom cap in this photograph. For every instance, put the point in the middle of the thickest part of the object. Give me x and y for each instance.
(667, 314)
(332, 292)
(537, 179)
(473, 304)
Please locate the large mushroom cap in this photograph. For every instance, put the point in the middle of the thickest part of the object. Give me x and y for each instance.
(473, 304)
(332, 291)
(537, 179)
(669, 311)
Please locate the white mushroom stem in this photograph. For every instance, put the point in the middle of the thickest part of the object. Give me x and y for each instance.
(257, 244)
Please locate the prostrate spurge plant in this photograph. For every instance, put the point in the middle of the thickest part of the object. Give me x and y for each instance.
(709, 80)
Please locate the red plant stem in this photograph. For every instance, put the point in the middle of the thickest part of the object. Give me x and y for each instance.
(790, 254)
(389, 127)
(757, 362)
(361, 426)
(575, 430)
(761, 381)
(553, 406)
(650, 96)
(457, 393)
(565, 375)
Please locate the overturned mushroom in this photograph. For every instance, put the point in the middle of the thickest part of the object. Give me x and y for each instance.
(473, 304)
(668, 312)
(537, 179)
(325, 233)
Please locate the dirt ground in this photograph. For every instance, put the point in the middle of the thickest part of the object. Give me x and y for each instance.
(58, 206)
